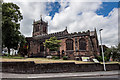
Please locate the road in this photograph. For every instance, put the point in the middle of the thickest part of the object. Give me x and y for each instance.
(108, 75)
(112, 77)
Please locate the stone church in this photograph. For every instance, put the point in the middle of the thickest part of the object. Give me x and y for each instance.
(77, 44)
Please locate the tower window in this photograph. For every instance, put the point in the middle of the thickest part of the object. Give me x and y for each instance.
(44, 29)
(36, 28)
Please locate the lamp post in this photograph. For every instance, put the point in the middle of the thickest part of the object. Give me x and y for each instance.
(102, 50)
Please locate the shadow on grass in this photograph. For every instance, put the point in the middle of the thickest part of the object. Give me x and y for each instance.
(13, 57)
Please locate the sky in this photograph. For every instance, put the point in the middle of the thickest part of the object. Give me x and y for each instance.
(78, 16)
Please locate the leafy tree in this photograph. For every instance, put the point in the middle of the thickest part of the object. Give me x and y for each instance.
(105, 48)
(0, 26)
(115, 52)
(118, 47)
(11, 17)
(118, 52)
(100, 58)
(53, 44)
(23, 41)
(108, 52)
(23, 48)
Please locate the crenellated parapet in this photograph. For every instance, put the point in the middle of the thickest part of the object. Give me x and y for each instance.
(40, 27)
(64, 34)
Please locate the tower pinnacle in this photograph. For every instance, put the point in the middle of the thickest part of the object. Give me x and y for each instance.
(41, 17)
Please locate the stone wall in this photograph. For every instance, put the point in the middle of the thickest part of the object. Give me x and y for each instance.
(31, 67)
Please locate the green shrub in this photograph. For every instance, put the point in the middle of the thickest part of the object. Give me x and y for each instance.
(55, 57)
(101, 59)
(65, 57)
(7, 55)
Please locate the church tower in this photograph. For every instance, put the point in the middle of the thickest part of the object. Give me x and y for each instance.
(40, 27)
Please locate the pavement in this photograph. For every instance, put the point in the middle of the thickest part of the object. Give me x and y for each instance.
(62, 75)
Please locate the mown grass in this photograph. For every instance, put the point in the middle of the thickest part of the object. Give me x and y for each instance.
(41, 60)
(44, 60)
(112, 62)
(12, 57)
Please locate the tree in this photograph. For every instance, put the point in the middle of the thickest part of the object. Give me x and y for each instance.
(113, 52)
(105, 48)
(118, 47)
(53, 44)
(107, 53)
(23, 46)
(116, 52)
(0, 26)
(11, 17)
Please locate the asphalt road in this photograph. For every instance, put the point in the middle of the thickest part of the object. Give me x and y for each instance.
(113, 77)
(100, 75)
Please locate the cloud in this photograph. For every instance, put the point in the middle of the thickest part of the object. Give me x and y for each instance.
(88, 19)
(119, 25)
(77, 16)
(31, 11)
(69, 15)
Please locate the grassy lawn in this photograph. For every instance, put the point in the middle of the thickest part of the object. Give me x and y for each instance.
(42, 60)
(39, 60)
(113, 62)
(13, 57)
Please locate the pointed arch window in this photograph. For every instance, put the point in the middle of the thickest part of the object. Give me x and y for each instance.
(69, 44)
(82, 44)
